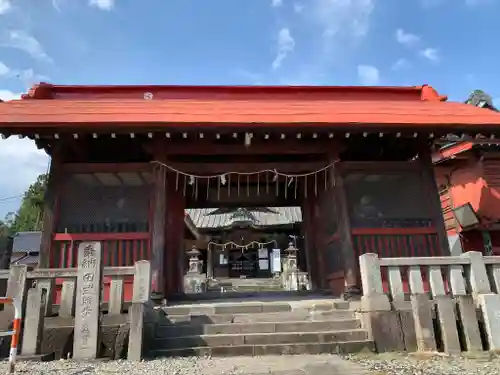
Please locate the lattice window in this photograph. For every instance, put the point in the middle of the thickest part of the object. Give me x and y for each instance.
(102, 203)
(387, 200)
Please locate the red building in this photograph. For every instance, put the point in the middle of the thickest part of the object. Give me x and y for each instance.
(128, 160)
(468, 173)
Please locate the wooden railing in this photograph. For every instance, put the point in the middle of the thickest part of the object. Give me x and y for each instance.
(80, 298)
(397, 243)
(119, 249)
(456, 286)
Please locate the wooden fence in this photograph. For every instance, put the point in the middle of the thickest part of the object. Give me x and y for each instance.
(459, 311)
(81, 301)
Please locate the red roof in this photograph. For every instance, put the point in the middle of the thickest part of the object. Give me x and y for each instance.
(227, 106)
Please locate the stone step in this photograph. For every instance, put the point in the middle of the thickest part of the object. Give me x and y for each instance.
(255, 307)
(260, 339)
(171, 331)
(291, 316)
(338, 347)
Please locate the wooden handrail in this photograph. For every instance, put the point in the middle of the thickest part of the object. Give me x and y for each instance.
(101, 236)
(67, 273)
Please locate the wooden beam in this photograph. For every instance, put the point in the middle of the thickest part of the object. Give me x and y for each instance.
(106, 167)
(208, 168)
(378, 166)
(158, 230)
(257, 147)
(351, 269)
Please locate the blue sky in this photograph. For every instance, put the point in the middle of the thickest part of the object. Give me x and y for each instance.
(449, 44)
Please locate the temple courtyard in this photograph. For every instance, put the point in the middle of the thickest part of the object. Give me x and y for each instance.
(360, 364)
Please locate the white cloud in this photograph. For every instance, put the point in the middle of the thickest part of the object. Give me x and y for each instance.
(298, 7)
(407, 39)
(22, 162)
(368, 75)
(55, 4)
(4, 69)
(5, 6)
(23, 41)
(8, 95)
(102, 4)
(286, 44)
(348, 18)
(276, 3)
(431, 54)
(401, 64)
(27, 76)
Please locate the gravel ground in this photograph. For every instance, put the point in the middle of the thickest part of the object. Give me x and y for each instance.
(365, 364)
(268, 365)
(420, 364)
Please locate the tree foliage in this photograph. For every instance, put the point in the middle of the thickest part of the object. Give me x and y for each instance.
(30, 213)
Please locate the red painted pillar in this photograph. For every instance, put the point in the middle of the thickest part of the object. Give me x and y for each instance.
(174, 238)
(158, 229)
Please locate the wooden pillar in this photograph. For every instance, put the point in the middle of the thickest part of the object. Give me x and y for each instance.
(158, 229)
(351, 268)
(432, 195)
(174, 237)
(50, 209)
(309, 243)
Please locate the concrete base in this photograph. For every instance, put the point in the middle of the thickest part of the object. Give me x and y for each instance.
(36, 357)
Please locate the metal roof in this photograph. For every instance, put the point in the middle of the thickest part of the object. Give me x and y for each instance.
(27, 242)
(203, 218)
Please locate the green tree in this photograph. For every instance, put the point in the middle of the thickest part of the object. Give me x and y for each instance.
(30, 213)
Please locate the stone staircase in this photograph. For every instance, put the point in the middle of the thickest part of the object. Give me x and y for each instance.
(250, 285)
(260, 328)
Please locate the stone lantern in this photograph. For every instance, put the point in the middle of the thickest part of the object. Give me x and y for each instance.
(291, 270)
(194, 280)
(195, 264)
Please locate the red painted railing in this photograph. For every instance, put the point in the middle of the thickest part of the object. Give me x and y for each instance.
(119, 249)
(395, 243)
(387, 243)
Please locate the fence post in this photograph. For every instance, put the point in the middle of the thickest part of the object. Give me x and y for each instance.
(422, 311)
(383, 324)
(33, 323)
(67, 304)
(466, 309)
(49, 285)
(16, 285)
(489, 302)
(88, 298)
(139, 309)
(445, 310)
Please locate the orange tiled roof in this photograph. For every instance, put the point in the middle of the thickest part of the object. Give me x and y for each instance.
(56, 106)
(46, 113)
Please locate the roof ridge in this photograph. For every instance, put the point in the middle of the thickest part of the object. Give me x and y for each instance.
(45, 90)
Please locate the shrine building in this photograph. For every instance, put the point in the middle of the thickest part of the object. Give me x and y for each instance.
(128, 163)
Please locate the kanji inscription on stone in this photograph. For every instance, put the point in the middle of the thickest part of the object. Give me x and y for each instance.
(88, 297)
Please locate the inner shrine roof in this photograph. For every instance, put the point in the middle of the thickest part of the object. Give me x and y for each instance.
(134, 107)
